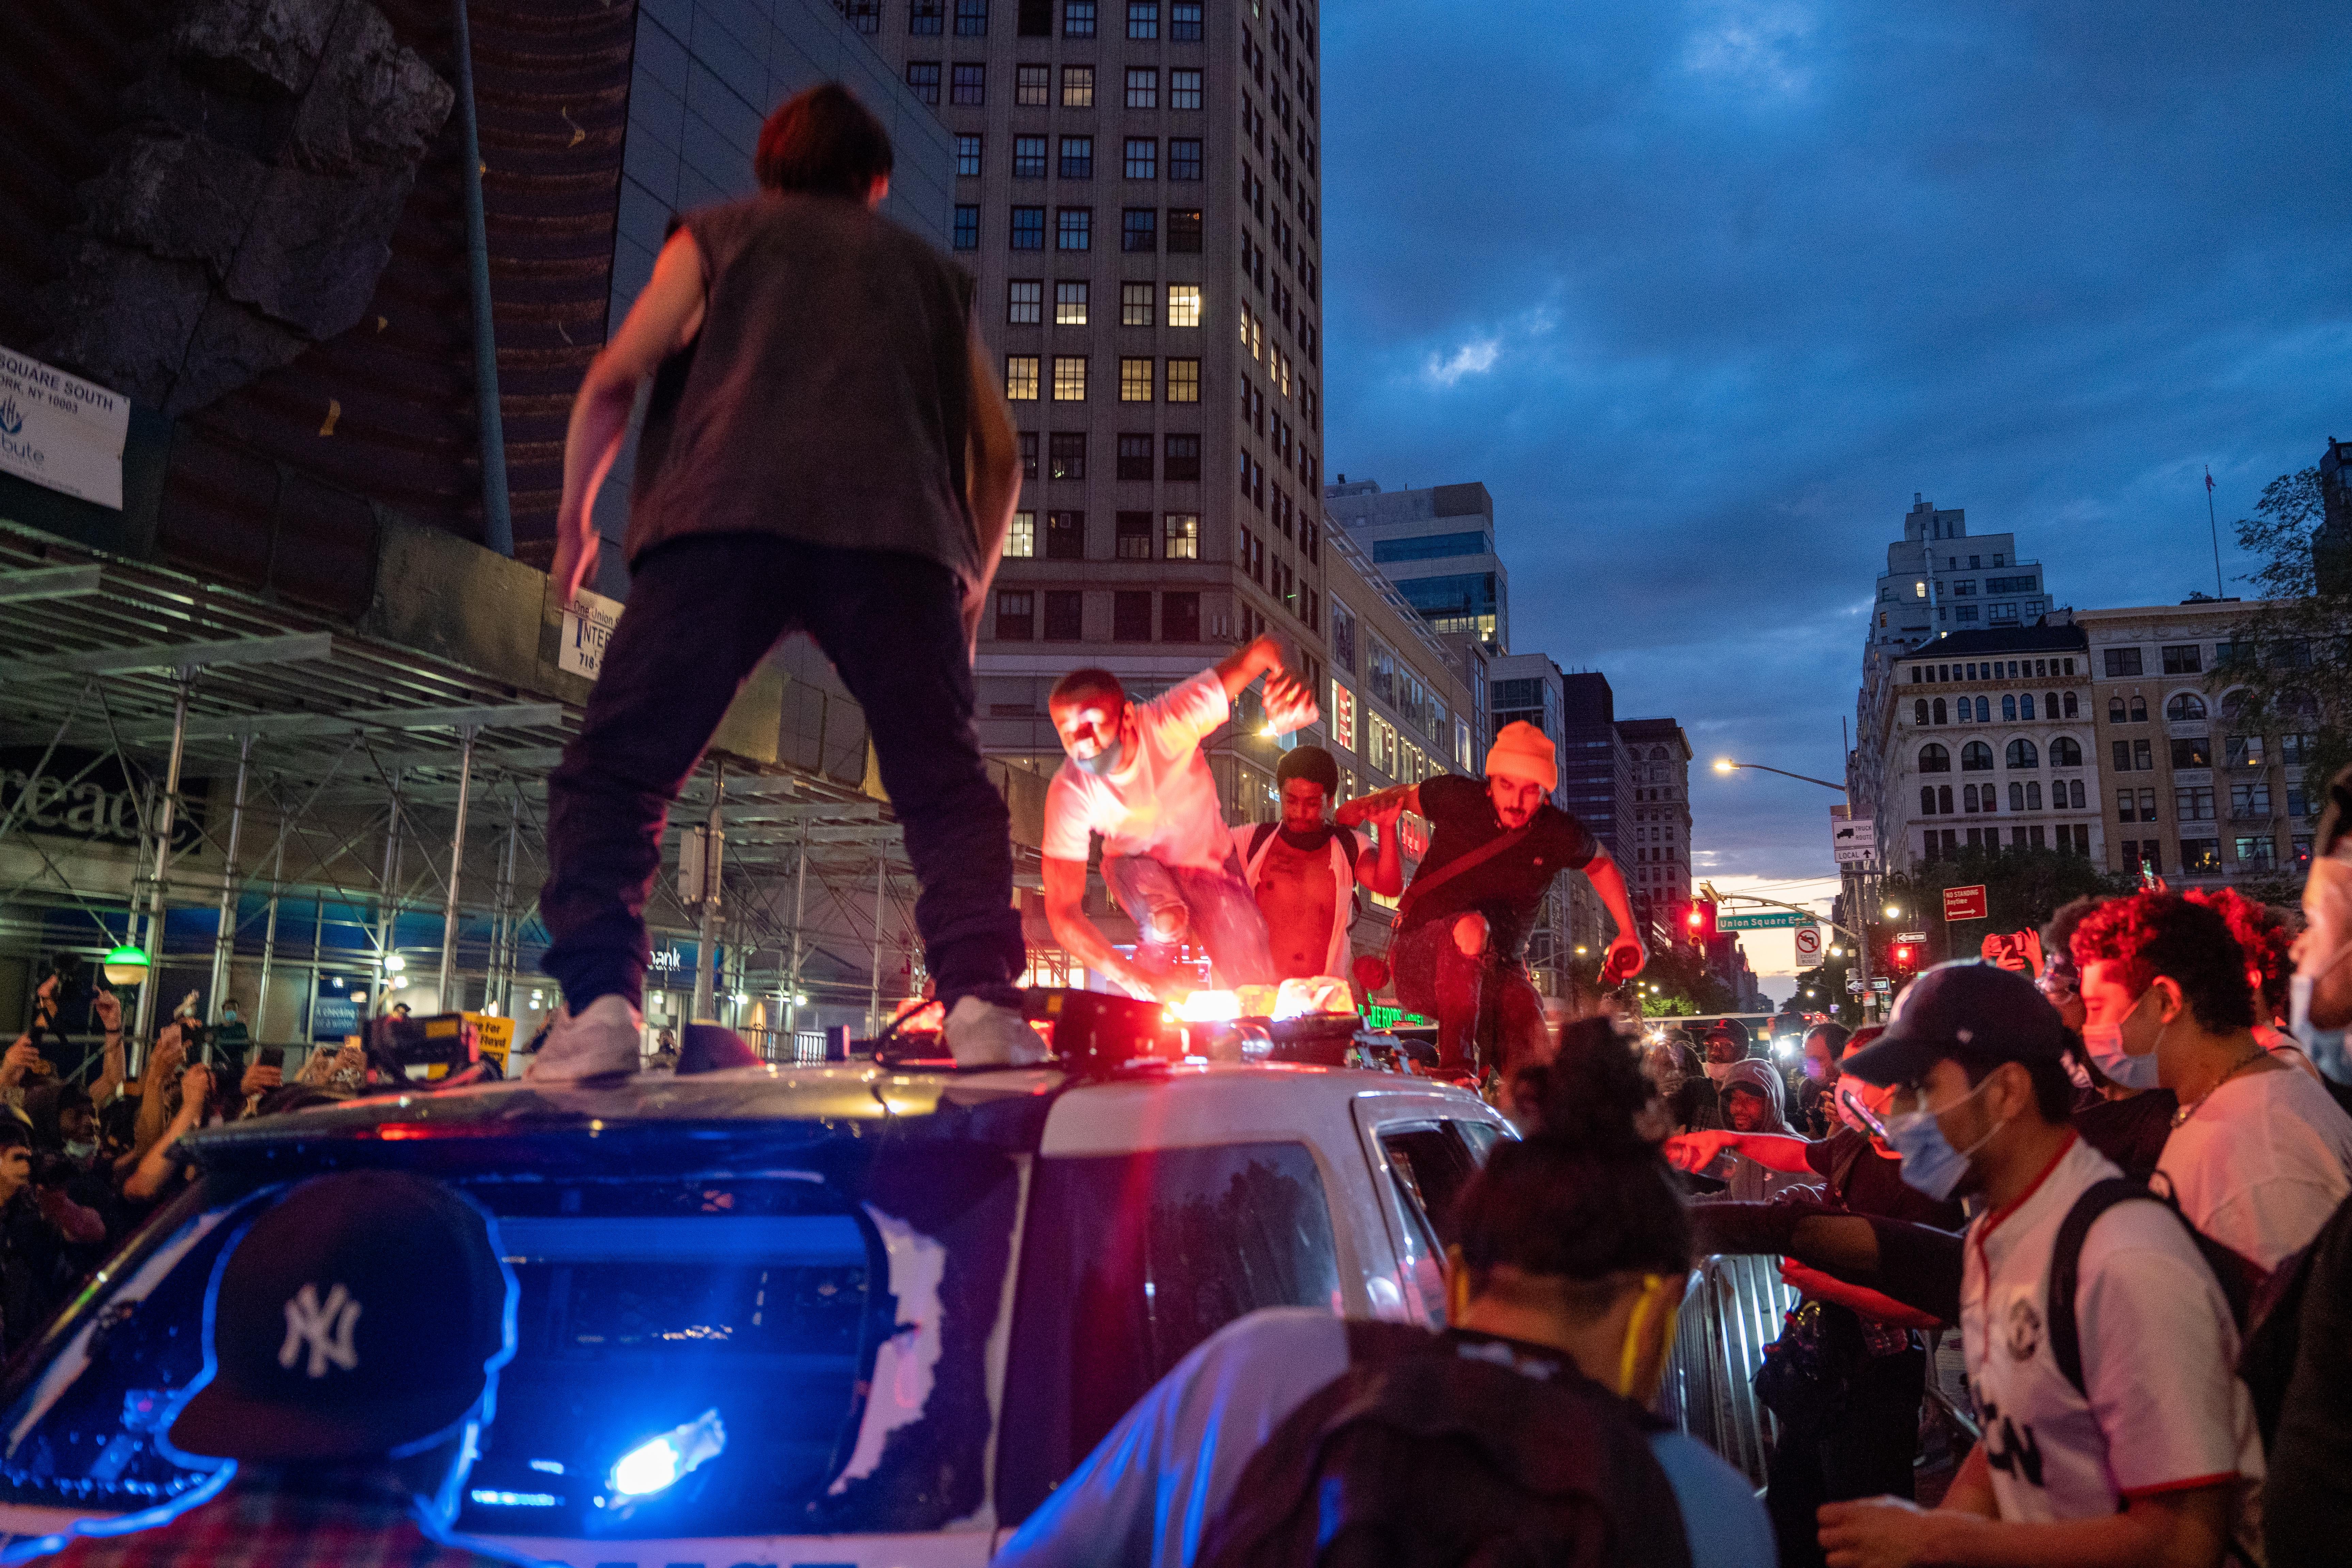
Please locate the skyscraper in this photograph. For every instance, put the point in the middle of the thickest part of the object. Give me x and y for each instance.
(1438, 546)
(1941, 579)
(1138, 197)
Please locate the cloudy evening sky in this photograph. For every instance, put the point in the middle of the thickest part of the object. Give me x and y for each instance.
(1704, 292)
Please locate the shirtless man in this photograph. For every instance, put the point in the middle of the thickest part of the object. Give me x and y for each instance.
(1304, 869)
(1134, 773)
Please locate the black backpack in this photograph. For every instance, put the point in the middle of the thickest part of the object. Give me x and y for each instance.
(2266, 1307)
(1419, 1456)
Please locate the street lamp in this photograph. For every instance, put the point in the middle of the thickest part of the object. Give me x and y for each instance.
(1724, 765)
(1894, 911)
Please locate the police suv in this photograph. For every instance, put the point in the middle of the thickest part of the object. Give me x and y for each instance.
(839, 1315)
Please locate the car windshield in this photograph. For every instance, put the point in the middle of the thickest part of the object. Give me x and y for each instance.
(656, 1315)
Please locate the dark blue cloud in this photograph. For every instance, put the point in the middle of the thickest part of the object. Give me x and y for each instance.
(1704, 293)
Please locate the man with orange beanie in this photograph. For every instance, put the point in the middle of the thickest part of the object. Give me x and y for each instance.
(1459, 954)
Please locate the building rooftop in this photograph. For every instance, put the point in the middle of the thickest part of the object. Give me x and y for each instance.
(2005, 640)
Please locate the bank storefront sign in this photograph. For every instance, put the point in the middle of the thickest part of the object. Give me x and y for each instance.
(87, 796)
(61, 431)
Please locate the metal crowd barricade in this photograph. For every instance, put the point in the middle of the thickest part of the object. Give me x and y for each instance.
(1732, 1311)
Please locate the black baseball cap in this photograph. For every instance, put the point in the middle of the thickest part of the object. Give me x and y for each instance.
(364, 1311)
(1965, 1005)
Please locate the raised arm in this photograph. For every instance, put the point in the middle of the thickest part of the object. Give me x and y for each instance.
(1382, 869)
(1379, 803)
(1289, 703)
(663, 319)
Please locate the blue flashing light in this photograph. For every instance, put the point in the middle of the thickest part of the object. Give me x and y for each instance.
(516, 1499)
(661, 1462)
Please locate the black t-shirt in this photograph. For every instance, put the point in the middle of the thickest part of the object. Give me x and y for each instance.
(1875, 1184)
(1507, 889)
(2130, 1132)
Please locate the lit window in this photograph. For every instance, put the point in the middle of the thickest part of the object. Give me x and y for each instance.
(1183, 381)
(1031, 87)
(1020, 544)
(1135, 304)
(1183, 231)
(1070, 304)
(1069, 378)
(1142, 89)
(1135, 380)
(1021, 378)
(1023, 302)
(1184, 304)
(1181, 536)
(1078, 87)
(1183, 90)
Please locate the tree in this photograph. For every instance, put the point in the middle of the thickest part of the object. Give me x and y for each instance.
(1685, 985)
(2293, 659)
(2023, 887)
(1827, 980)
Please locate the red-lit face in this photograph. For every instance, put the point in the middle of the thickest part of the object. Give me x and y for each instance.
(1516, 800)
(1303, 803)
(1093, 725)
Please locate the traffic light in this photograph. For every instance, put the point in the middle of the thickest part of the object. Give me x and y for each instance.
(1903, 955)
(1699, 923)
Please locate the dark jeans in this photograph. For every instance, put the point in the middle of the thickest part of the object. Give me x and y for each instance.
(1171, 904)
(703, 611)
(1865, 1451)
(1489, 1016)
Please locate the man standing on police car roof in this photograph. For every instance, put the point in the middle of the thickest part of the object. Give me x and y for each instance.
(2144, 1451)
(824, 451)
(1304, 869)
(1462, 927)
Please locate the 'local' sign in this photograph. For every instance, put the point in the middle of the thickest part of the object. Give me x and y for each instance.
(588, 623)
(1965, 903)
(1853, 840)
(61, 431)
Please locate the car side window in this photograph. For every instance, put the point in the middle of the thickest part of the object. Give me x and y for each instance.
(1431, 1164)
(1127, 1263)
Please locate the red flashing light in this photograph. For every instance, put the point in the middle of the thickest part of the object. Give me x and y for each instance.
(1901, 955)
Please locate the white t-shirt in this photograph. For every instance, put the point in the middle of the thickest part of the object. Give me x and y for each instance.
(1163, 803)
(2164, 1412)
(2262, 1164)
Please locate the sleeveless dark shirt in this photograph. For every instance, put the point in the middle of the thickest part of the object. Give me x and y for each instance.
(827, 396)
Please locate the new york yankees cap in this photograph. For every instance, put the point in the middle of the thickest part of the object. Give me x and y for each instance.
(361, 1312)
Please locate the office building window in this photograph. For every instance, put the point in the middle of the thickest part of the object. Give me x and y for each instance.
(1021, 378)
(1024, 301)
(1135, 304)
(1179, 618)
(972, 18)
(1135, 454)
(1077, 18)
(1069, 378)
(864, 16)
(1066, 454)
(1028, 454)
(1035, 19)
(2192, 752)
(2122, 662)
(1184, 21)
(1135, 379)
(1078, 87)
(1020, 544)
(1064, 615)
(1142, 158)
(926, 19)
(1130, 612)
(968, 86)
(1065, 536)
(2184, 658)
(1016, 616)
(1142, 87)
(1183, 459)
(2258, 854)
(1070, 302)
(1078, 157)
(1028, 228)
(1144, 20)
(1183, 90)
(923, 78)
(2193, 804)
(1183, 231)
(968, 165)
(1028, 157)
(1180, 533)
(1184, 304)
(1033, 88)
(1073, 228)
(1133, 536)
(2200, 857)
(1183, 380)
(1139, 230)
(967, 227)
(1184, 158)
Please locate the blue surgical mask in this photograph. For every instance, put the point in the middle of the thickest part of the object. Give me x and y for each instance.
(2105, 1044)
(1105, 763)
(2325, 1047)
(1930, 1164)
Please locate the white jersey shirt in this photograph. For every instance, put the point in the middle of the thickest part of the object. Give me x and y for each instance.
(1162, 802)
(2163, 1410)
(2262, 1164)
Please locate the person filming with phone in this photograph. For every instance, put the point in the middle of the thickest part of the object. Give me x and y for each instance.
(1459, 954)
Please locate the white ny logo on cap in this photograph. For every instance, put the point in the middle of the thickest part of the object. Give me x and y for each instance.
(327, 1329)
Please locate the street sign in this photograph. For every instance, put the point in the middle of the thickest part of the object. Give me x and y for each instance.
(1764, 919)
(1880, 983)
(1854, 841)
(1854, 984)
(1912, 936)
(1965, 903)
(1809, 942)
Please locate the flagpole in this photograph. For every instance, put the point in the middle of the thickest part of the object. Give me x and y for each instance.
(2212, 523)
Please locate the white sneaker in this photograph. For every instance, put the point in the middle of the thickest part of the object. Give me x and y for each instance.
(603, 1039)
(983, 1035)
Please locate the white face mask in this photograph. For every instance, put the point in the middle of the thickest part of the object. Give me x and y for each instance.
(1718, 1071)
